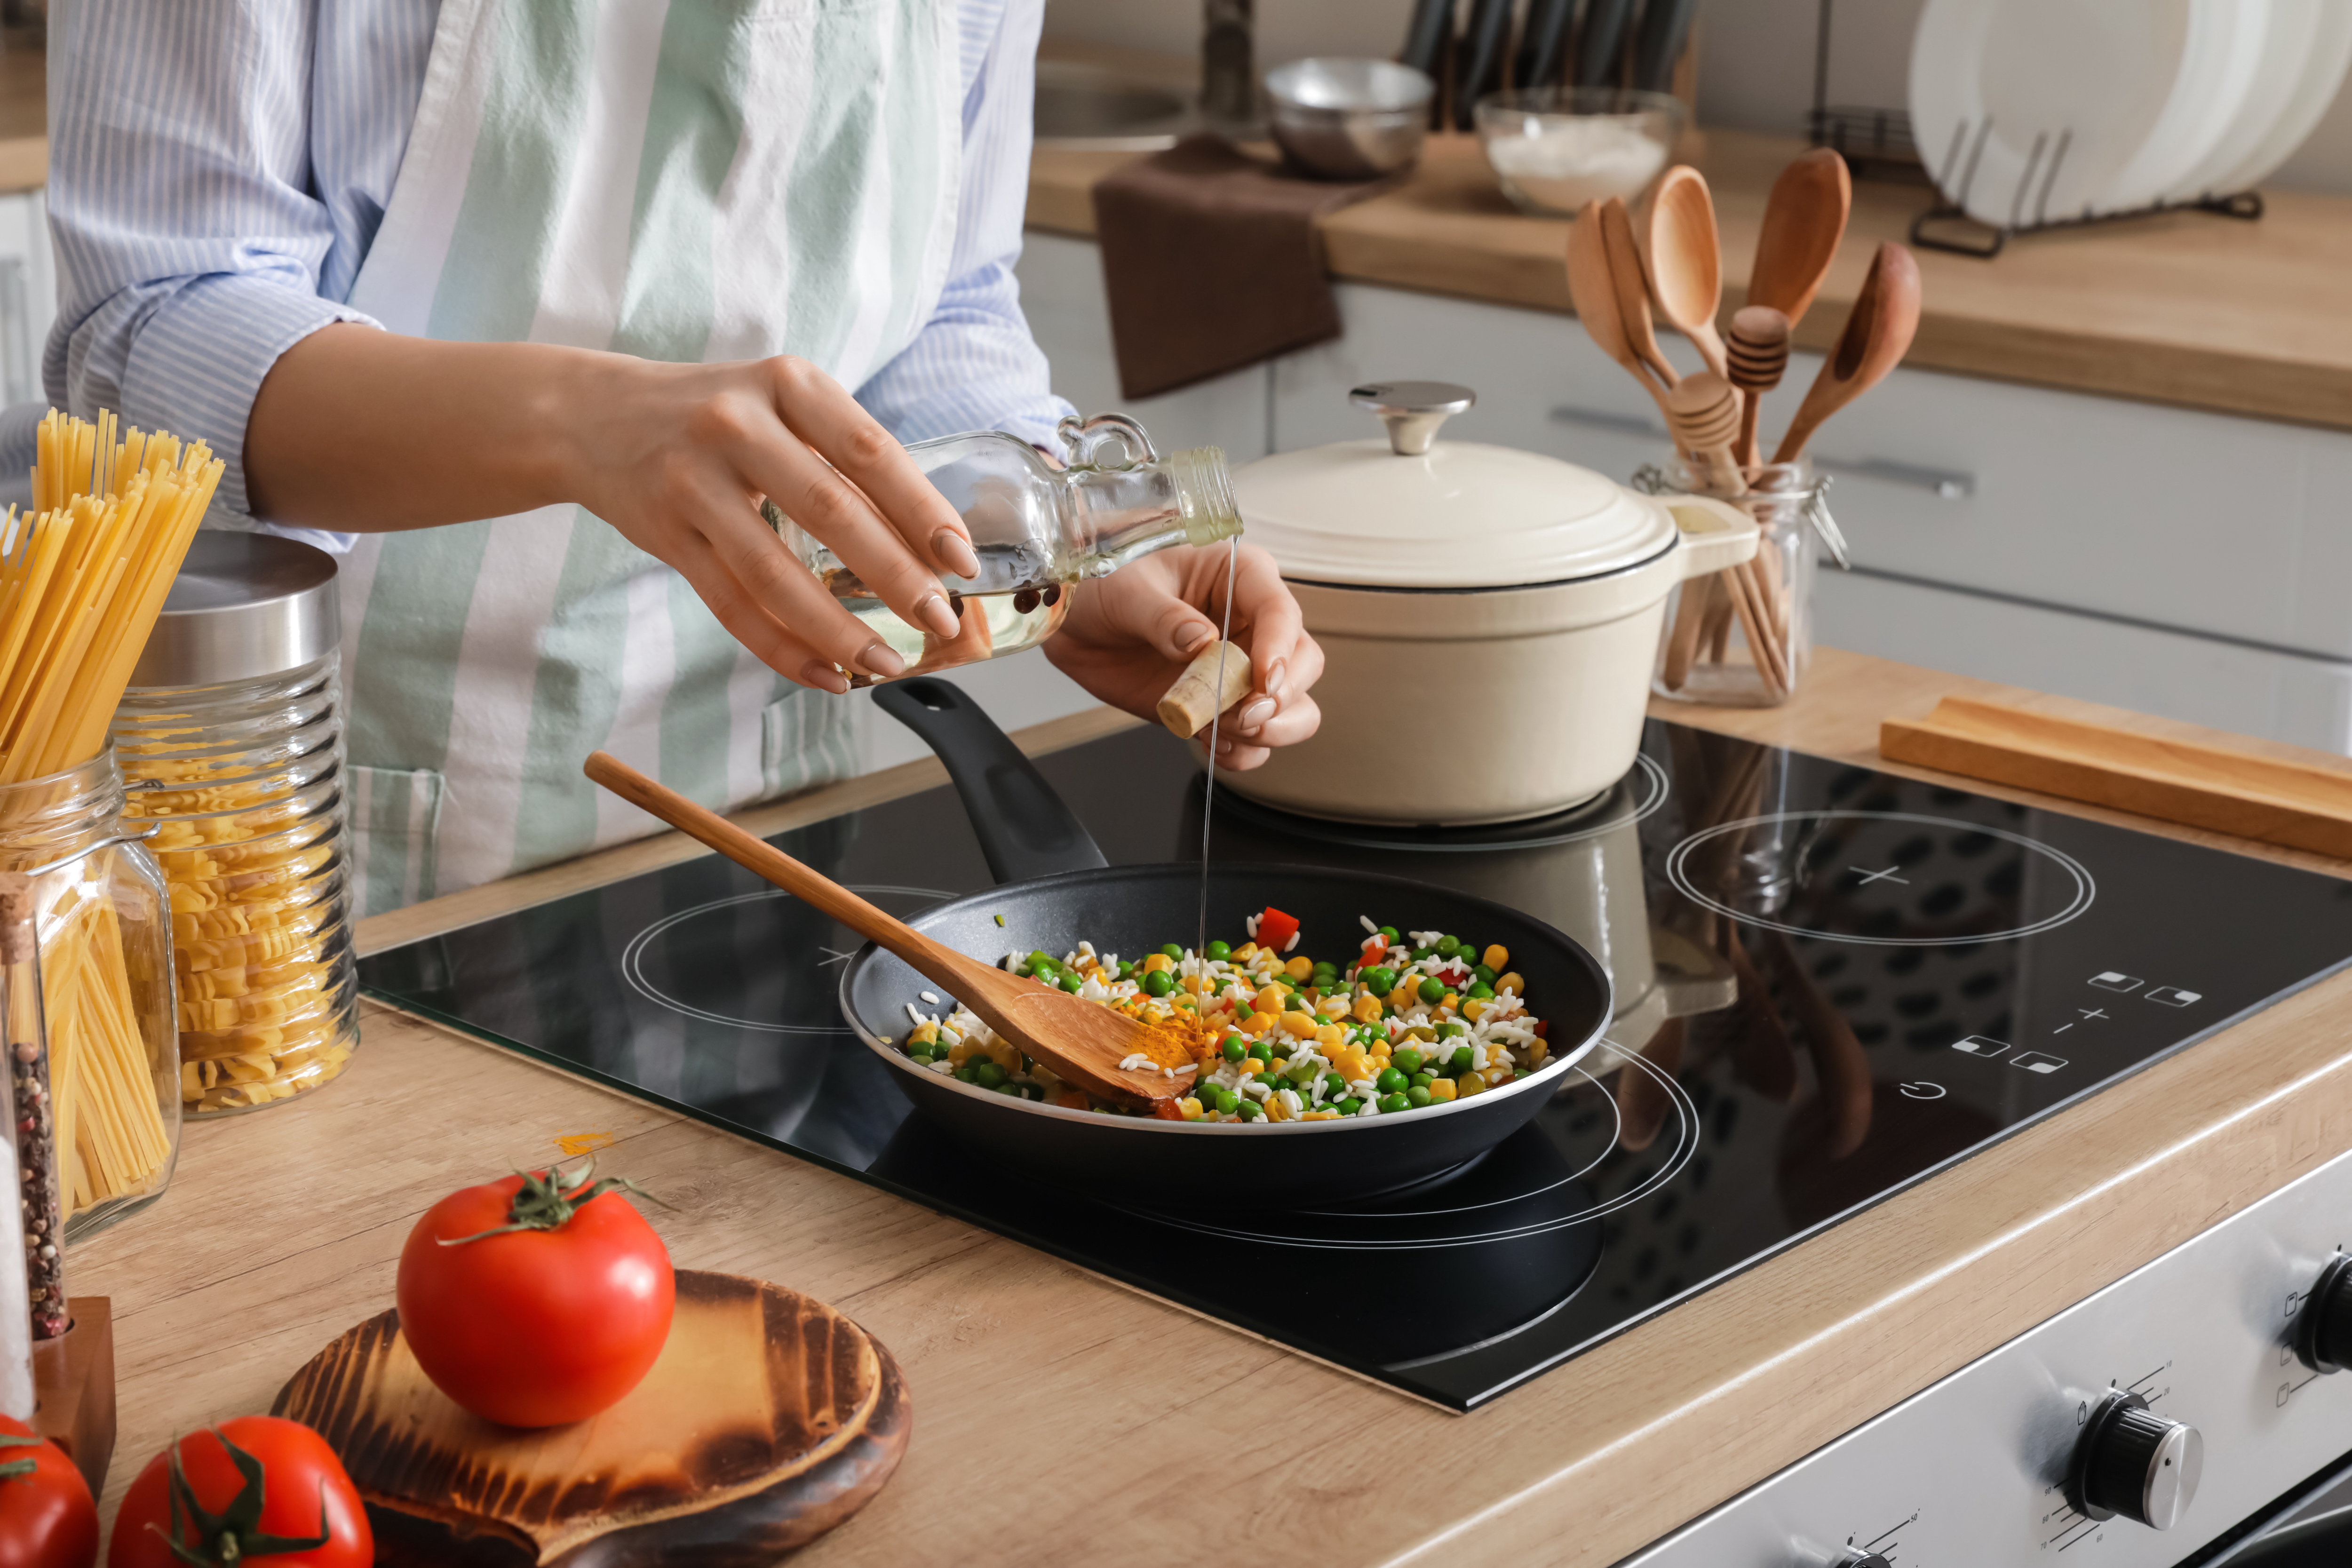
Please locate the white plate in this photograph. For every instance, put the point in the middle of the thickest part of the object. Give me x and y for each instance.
(2098, 77)
(2225, 52)
(2319, 72)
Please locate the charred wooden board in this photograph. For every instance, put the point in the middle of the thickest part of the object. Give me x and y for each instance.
(768, 1419)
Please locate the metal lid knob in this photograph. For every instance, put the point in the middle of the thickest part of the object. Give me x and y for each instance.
(1413, 410)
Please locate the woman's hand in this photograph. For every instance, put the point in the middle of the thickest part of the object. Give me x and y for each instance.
(1129, 635)
(360, 429)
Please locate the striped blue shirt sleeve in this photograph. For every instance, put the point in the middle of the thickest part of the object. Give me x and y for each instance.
(974, 365)
(215, 171)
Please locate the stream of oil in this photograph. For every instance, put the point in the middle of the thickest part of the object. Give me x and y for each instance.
(1209, 797)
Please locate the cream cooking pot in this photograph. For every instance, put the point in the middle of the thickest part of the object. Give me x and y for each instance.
(1489, 615)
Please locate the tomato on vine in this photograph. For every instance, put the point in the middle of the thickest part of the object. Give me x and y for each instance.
(255, 1488)
(47, 1517)
(538, 1300)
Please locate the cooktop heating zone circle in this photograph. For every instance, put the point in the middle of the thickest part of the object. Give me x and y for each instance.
(1881, 878)
(634, 957)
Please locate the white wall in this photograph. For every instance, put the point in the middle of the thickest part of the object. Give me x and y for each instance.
(1755, 56)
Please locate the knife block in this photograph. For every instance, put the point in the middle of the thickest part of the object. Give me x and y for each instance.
(73, 1383)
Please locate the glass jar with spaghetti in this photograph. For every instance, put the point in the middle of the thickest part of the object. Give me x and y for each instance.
(231, 733)
(1744, 635)
(103, 952)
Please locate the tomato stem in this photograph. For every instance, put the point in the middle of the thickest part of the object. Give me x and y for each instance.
(226, 1539)
(548, 1199)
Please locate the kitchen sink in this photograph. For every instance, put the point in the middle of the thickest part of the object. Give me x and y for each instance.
(1090, 107)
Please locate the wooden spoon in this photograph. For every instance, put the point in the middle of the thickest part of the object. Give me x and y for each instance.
(1804, 219)
(1687, 261)
(1631, 278)
(1593, 291)
(1083, 1042)
(1877, 334)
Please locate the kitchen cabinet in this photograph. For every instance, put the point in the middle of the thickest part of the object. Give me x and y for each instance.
(2178, 561)
(28, 294)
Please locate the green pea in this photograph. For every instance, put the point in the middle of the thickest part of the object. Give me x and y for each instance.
(1070, 982)
(1420, 953)
(1482, 972)
(1380, 979)
(1417, 1096)
(988, 1075)
(1126, 970)
(1041, 961)
(1448, 946)
(1158, 983)
(1248, 1110)
(1302, 1073)
(1390, 933)
(1431, 989)
(1220, 950)
(1451, 1031)
(1481, 990)
(963, 1075)
(1261, 1050)
(1406, 1060)
(1391, 1081)
(1280, 1051)
(1348, 1107)
(1333, 1085)
(1235, 1047)
(1391, 1104)
(1296, 1001)
(1172, 951)
(1424, 1079)
(1025, 970)
(1459, 1062)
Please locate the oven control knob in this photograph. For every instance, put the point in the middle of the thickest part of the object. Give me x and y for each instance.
(1855, 1557)
(2133, 1462)
(2323, 1330)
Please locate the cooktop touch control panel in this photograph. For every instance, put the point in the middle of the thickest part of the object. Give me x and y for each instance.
(2129, 1431)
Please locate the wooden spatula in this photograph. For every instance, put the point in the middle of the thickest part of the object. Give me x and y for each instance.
(1592, 289)
(1082, 1042)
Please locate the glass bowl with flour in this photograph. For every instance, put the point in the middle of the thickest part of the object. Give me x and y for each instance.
(1555, 149)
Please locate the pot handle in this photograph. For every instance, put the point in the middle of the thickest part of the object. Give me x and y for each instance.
(1023, 828)
(1715, 534)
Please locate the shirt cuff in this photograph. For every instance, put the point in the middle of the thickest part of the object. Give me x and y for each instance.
(199, 362)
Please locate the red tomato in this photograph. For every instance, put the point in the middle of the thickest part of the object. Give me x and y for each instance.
(303, 1496)
(538, 1325)
(1275, 929)
(46, 1520)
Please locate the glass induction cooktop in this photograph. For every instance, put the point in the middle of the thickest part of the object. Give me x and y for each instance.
(1830, 983)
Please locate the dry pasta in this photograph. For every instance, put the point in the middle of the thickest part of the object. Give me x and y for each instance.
(82, 578)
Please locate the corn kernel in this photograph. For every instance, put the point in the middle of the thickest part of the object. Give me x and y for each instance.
(1245, 953)
(1158, 961)
(1468, 1084)
(1537, 1053)
(1329, 1034)
(1497, 957)
(960, 1052)
(1402, 997)
(1276, 1110)
(1259, 1022)
(1367, 1009)
(1271, 999)
(1448, 1003)
(1189, 1107)
(1474, 1009)
(922, 1033)
(1318, 1116)
(1299, 1025)
(1440, 1089)
(1510, 982)
(1500, 1074)
(1299, 968)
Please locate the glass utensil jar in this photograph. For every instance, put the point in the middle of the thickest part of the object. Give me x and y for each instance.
(104, 953)
(1038, 530)
(232, 730)
(1744, 636)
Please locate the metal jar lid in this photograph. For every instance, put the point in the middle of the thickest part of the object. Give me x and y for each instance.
(244, 605)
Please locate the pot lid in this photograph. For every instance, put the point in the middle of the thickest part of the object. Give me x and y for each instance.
(1411, 511)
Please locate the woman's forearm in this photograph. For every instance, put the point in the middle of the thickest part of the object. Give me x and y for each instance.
(361, 431)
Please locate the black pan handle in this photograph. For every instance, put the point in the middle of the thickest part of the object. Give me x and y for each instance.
(1025, 830)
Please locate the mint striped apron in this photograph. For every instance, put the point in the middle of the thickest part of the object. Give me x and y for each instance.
(695, 180)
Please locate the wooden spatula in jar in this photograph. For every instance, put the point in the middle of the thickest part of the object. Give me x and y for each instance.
(1082, 1042)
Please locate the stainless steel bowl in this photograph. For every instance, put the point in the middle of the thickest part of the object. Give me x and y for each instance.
(1347, 119)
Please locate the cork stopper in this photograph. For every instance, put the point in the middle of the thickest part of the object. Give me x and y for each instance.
(16, 917)
(1197, 697)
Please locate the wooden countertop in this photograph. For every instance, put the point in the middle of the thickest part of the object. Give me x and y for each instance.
(1062, 1419)
(2189, 309)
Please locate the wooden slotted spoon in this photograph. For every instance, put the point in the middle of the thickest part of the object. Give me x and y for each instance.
(1082, 1042)
(1877, 334)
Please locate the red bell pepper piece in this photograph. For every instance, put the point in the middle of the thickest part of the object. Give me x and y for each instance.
(1275, 929)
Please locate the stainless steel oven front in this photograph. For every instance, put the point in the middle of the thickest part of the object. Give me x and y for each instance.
(2186, 1415)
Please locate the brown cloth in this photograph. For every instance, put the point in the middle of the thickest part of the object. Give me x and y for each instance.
(1213, 262)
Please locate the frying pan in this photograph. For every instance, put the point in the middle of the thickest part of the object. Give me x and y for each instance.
(1056, 891)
